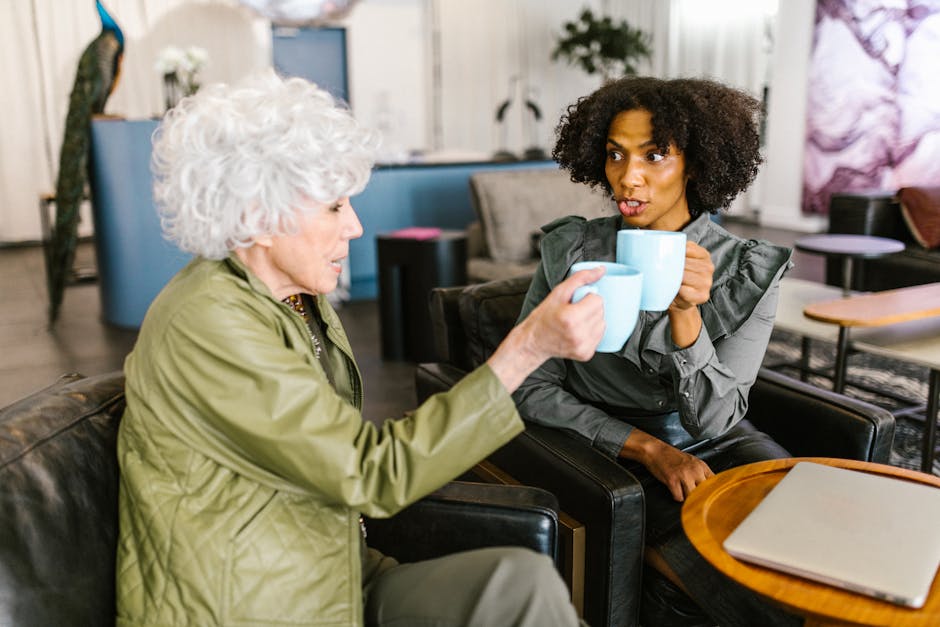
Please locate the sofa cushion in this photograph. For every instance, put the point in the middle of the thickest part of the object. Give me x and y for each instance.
(920, 207)
(514, 204)
(58, 503)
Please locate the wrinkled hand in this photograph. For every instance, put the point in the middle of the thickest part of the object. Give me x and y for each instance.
(696, 278)
(559, 328)
(555, 328)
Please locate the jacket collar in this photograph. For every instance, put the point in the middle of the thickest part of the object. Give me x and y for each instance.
(334, 327)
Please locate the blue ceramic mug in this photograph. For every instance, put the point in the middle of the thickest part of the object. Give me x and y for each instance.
(620, 288)
(660, 256)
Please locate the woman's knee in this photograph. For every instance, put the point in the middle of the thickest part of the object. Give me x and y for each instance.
(541, 596)
(526, 567)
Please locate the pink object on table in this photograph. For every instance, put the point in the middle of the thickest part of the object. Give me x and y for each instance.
(417, 232)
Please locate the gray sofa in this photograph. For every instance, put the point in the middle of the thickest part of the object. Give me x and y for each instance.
(511, 207)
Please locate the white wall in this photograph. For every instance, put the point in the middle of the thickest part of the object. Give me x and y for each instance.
(782, 176)
(388, 71)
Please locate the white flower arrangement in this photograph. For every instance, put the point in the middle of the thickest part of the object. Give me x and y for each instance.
(180, 70)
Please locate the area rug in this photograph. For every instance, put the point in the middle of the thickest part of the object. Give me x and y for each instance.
(870, 371)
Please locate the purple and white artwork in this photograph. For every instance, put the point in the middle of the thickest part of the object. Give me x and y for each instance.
(873, 120)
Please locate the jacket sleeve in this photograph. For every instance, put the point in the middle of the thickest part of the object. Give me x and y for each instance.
(543, 399)
(261, 409)
(711, 380)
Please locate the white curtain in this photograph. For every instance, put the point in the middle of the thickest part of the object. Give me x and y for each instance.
(42, 41)
(724, 39)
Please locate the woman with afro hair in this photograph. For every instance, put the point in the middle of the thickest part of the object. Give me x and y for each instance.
(669, 405)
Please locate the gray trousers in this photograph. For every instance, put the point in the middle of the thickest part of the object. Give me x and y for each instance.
(486, 588)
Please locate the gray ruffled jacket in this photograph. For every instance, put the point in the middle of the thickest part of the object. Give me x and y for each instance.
(680, 395)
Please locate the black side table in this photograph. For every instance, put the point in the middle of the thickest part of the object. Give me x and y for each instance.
(408, 269)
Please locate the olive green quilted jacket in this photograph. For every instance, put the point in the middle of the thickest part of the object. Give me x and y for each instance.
(243, 471)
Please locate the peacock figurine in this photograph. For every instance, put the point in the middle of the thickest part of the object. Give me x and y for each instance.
(95, 79)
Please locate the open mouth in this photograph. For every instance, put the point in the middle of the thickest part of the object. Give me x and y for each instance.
(631, 206)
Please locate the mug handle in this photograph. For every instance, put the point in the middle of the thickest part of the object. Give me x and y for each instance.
(583, 291)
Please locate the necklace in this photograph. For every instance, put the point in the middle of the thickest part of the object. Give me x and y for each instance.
(296, 302)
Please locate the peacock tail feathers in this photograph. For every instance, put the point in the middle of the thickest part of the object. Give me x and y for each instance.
(95, 78)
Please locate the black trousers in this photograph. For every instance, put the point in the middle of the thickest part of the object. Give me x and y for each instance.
(715, 599)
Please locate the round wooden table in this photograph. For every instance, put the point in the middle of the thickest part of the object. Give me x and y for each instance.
(847, 248)
(718, 505)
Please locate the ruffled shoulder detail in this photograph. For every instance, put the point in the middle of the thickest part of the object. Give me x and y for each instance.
(745, 270)
(572, 239)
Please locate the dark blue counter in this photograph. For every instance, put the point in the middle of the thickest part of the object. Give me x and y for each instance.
(134, 261)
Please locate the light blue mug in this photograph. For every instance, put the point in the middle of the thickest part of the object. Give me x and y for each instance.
(620, 289)
(660, 256)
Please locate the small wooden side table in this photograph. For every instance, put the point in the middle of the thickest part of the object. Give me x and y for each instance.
(881, 309)
(847, 248)
(716, 507)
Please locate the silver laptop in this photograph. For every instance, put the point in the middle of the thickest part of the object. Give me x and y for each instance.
(867, 533)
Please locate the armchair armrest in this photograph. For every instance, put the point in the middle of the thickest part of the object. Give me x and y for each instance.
(462, 516)
(811, 421)
(592, 488)
(602, 495)
(435, 377)
(476, 244)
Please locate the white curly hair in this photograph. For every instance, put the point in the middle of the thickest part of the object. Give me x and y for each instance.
(235, 162)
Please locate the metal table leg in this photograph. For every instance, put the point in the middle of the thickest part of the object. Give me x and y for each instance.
(846, 275)
(842, 353)
(930, 422)
(804, 358)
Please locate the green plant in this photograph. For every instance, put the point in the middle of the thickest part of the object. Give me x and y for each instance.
(600, 45)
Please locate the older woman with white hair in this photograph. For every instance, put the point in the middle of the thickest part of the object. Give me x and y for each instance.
(245, 461)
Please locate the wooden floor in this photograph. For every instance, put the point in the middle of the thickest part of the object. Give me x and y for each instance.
(32, 355)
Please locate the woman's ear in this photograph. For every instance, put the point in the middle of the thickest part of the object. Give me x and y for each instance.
(253, 220)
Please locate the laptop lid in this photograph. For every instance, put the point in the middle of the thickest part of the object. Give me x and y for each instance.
(871, 534)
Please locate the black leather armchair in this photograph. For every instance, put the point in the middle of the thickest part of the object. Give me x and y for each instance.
(879, 214)
(470, 321)
(58, 508)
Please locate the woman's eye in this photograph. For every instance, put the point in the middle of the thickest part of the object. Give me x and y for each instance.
(655, 157)
(336, 207)
(613, 155)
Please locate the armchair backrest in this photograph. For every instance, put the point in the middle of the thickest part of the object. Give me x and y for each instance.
(58, 503)
(470, 321)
